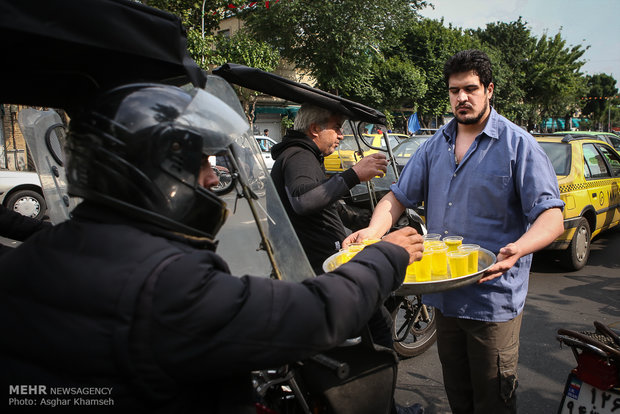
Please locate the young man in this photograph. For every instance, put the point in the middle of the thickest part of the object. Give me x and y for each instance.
(486, 179)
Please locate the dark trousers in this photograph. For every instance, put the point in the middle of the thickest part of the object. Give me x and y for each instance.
(479, 363)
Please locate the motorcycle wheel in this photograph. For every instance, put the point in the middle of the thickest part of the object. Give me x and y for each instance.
(421, 334)
(225, 184)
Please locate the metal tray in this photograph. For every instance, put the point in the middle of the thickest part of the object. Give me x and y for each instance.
(486, 259)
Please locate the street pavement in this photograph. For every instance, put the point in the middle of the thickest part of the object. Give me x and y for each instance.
(556, 299)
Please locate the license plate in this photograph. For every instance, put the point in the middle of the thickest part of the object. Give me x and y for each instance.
(582, 398)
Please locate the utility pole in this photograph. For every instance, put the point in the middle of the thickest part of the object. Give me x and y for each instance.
(202, 55)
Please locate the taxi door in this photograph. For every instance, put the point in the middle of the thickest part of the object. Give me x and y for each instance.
(602, 186)
(612, 158)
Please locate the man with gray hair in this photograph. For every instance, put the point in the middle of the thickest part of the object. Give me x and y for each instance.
(310, 199)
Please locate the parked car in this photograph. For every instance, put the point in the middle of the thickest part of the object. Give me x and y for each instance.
(345, 155)
(588, 172)
(21, 191)
(610, 138)
(404, 150)
(265, 143)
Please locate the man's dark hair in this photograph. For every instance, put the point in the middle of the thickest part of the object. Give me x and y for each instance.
(467, 60)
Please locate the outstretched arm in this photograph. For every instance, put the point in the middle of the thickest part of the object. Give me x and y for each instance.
(545, 229)
(385, 215)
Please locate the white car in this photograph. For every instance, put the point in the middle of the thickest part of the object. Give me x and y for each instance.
(265, 143)
(21, 191)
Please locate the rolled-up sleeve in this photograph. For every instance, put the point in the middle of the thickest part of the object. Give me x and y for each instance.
(536, 180)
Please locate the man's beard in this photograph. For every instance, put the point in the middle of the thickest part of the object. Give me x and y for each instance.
(475, 119)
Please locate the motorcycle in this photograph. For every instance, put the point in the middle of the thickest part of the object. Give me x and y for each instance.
(593, 386)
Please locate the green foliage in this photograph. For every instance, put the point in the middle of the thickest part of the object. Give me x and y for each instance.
(336, 42)
(379, 52)
(287, 123)
(428, 44)
(244, 49)
(600, 86)
(534, 78)
(554, 81)
(190, 12)
(509, 46)
(393, 84)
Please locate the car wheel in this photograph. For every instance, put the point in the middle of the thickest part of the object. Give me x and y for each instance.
(579, 249)
(27, 203)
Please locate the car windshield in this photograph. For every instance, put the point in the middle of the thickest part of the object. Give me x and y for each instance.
(348, 143)
(394, 140)
(560, 156)
(408, 147)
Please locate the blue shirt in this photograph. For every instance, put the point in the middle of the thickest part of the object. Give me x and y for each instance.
(501, 185)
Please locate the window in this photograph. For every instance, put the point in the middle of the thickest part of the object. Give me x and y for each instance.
(612, 158)
(559, 155)
(615, 142)
(594, 160)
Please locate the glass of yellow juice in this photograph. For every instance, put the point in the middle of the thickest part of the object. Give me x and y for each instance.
(453, 242)
(458, 263)
(472, 256)
(366, 242)
(410, 275)
(423, 267)
(432, 237)
(439, 259)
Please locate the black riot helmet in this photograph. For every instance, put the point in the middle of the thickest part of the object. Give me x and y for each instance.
(139, 149)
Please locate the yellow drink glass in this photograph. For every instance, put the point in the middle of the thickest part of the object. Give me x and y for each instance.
(458, 263)
(472, 256)
(423, 267)
(410, 275)
(439, 259)
(432, 236)
(453, 242)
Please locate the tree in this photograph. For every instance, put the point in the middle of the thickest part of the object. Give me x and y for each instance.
(200, 28)
(601, 98)
(243, 49)
(338, 43)
(554, 83)
(509, 45)
(428, 44)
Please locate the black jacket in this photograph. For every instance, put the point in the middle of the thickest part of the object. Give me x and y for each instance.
(99, 302)
(309, 197)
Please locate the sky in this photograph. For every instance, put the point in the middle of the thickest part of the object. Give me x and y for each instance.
(586, 22)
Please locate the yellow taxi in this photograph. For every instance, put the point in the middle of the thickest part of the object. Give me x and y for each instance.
(588, 172)
(346, 156)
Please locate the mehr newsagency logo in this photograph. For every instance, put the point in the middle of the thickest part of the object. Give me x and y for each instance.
(44, 396)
